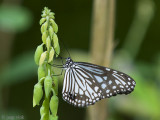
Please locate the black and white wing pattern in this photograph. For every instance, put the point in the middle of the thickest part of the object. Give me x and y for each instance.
(85, 83)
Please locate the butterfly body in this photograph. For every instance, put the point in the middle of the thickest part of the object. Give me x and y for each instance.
(85, 83)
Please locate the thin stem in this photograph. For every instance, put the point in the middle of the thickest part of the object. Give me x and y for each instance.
(54, 65)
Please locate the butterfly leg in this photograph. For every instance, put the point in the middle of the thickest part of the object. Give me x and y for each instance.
(54, 65)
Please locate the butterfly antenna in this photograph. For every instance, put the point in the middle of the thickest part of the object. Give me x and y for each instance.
(66, 48)
(59, 56)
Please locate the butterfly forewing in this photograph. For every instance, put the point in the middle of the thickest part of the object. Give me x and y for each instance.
(85, 83)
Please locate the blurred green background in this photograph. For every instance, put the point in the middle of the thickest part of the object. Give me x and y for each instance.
(137, 52)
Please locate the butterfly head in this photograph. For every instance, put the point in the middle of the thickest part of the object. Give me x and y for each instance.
(68, 63)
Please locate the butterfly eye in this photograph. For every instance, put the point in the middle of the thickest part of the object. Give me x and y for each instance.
(68, 59)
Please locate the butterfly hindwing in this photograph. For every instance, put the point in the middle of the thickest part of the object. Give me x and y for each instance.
(85, 83)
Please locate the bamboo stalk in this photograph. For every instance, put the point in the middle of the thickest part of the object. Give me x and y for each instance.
(101, 47)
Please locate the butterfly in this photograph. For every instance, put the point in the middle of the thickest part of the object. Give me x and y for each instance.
(85, 83)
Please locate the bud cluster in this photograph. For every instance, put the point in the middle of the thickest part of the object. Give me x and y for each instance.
(47, 84)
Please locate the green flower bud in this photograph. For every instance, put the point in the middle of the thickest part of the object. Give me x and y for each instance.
(44, 110)
(55, 40)
(44, 37)
(49, 29)
(54, 25)
(48, 43)
(57, 50)
(42, 58)
(41, 72)
(42, 28)
(53, 118)
(42, 20)
(47, 18)
(55, 87)
(38, 53)
(51, 55)
(54, 105)
(47, 85)
(43, 117)
(37, 94)
(45, 26)
(51, 33)
(51, 15)
(43, 15)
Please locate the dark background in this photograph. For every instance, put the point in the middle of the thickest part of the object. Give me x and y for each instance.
(18, 70)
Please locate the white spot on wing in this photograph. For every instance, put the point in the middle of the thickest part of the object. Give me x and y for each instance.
(129, 83)
(115, 71)
(121, 86)
(134, 83)
(103, 86)
(107, 91)
(114, 87)
(108, 69)
(96, 88)
(95, 95)
(105, 77)
(99, 79)
(110, 82)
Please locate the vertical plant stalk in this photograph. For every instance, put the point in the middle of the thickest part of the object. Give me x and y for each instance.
(47, 83)
(142, 19)
(101, 47)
